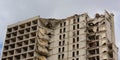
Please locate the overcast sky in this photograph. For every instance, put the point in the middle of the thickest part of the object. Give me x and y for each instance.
(12, 11)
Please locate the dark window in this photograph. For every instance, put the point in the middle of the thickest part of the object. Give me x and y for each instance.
(59, 49)
(77, 52)
(73, 54)
(74, 21)
(63, 49)
(77, 58)
(73, 27)
(97, 37)
(97, 51)
(60, 24)
(103, 22)
(63, 42)
(63, 36)
(77, 26)
(62, 56)
(98, 58)
(73, 46)
(97, 43)
(77, 32)
(58, 56)
(59, 43)
(64, 30)
(77, 45)
(60, 30)
(77, 39)
(73, 40)
(60, 37)
(64, 23)
(78, 19)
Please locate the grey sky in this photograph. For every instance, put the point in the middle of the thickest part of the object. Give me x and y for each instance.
(12, 11)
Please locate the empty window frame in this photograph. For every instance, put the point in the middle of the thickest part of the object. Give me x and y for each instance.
(92, 37)
(18, 50)
(97, 37)
(15, 28)
(24, 49)
(9, 30)
(60, 36)
(21, 31)
(73, 46)
(73, 27)
(59, 43)
(8, 35)
(60, 24)
(19, 44)
(27, 30)
(94, 51)
(22, 26)
(94, 58)
(28, 24)
(64, 23)
(12, 46)
(64, 30)
(63, 42)
(63, 49)
(77, 58)
(78, 26)
(4, 58)
(10, 58)
(59, 57)
(77, 52)
(73, 54)
(17, 57)
(77, 39)
(31, 47)
(20, 37)
(14, 34)
(30, 54)
(60, 30)
(5, 53)
(25, 42)
(77, 32)
(11, 52)
(13, 40)
(91, 52)
(33, 34)
(7, 41)
(59, 50)
(6, 47)
(32, 40)
(26, 36)
(77, 46)
(73, 40)
(74, 21)
(34, 28)
(62, 56)
(78, 19)
(24, 55)
(63, 36)
(34, 22)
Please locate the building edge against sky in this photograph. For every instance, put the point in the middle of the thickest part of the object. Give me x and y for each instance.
(73, 38)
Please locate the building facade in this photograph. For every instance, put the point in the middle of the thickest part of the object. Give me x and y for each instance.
(77, 37)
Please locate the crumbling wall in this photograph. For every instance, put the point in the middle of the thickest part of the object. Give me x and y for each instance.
(42, 47)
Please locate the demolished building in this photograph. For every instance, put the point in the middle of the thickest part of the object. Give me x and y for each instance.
(73, 38)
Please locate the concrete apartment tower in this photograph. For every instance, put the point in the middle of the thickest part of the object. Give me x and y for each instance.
(78, 37)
